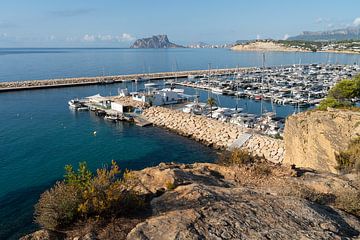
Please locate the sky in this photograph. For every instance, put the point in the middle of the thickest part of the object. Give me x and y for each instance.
(117, 23)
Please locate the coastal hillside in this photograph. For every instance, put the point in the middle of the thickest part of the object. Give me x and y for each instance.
(350, 33)
(349, 47)
(159, 41)
(265, 46)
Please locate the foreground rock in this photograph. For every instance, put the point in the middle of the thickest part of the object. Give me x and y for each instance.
(209, 201)
(215, 202)
(313, 138)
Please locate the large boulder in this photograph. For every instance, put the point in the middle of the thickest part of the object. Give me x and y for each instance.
(313, 138)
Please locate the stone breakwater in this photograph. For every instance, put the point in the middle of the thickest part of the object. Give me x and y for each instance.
(66, 82)
(214, 133)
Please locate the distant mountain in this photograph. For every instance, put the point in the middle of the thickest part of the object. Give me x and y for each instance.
(350, 33)
(159, 41)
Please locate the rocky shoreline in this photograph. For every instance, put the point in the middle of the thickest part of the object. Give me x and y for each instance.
(210, 201)
(214, 133)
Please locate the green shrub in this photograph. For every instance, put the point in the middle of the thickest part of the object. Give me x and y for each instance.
(58, 206)
(333, 103)
(236, 157)
(343, 90)
(83, 195)
(341, 94)
(349, 159)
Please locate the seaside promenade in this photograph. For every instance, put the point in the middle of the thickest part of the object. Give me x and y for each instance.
(70, 82)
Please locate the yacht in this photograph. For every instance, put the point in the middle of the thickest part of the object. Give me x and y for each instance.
(77, 105)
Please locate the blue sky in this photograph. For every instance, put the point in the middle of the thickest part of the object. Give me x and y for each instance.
(116, 23)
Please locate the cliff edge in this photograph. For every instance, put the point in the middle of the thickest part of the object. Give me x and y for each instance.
(313, 138)
(211, 201)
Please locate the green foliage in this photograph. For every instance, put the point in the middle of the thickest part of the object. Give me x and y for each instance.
(332, 103)
(58, 206)
(341, 94)
(211, 102)
(83, 195)
(81, 178)
(349, 159)
(344, 90)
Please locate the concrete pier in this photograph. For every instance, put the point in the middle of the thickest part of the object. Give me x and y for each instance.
(72, 82)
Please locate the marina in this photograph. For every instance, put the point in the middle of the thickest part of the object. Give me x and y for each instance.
(302, 86)
(51, 135)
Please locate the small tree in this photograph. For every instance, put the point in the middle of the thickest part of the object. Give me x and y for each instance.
(341, 94)
(211, 102)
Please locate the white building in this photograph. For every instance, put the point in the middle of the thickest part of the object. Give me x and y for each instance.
(120, 107)
(163, 97)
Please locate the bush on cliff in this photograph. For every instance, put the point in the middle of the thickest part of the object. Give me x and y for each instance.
(244, 159)
(236, 156)
(83, 195)
(349, 159)
(341, 94)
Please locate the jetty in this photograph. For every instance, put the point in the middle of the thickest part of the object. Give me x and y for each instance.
(73, 82)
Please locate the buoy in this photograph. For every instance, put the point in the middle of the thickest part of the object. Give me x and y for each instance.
(94, 133)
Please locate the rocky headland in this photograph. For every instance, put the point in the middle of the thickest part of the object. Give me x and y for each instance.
(158, 41)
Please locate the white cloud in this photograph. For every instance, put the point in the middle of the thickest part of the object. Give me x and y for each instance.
(88, 38)
(321, 20)
(286, 36)
(125, 37)
(357, 22)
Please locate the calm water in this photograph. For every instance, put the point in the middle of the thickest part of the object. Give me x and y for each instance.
(39, 134)
(27, 64)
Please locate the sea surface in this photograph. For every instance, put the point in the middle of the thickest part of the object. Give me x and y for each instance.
(39, 134)
(44, 63)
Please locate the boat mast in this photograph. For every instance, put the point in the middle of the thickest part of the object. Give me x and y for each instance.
(262, 83)
(209, 79)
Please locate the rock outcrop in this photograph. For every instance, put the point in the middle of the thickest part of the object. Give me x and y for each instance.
(210, 201)
(159, 41)
(215, 133)
(313, 138)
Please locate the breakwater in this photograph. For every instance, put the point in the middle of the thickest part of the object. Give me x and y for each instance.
(216, 134)
(68, 82)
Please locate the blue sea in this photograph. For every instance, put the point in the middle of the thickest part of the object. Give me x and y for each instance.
(39, 134)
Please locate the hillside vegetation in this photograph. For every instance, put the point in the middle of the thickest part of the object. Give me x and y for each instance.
(342, 95)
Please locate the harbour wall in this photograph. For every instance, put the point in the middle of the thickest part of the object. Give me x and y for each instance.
(214, 133)
(69, 82)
